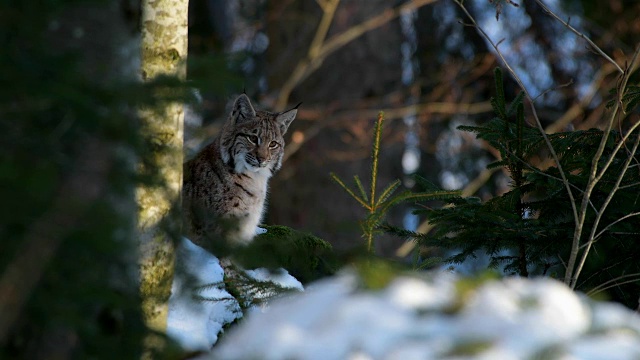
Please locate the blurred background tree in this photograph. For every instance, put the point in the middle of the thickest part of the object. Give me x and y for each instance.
(73, 146)
(70, 140)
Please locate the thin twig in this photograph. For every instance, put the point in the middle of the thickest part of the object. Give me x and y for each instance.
(324, 119)
(573, 271)
(592, 235)
(567, 84)
(629, 185)
(606, 269)
(617, 148)
(580, 34)
(604, 286)
(329, 10)
(578, 108)
(615, 222)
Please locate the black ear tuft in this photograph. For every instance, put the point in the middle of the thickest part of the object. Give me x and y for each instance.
(242, 109)
(284, 119)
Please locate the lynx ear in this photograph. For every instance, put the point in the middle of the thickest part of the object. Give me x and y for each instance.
(284, 119)
(242, 110)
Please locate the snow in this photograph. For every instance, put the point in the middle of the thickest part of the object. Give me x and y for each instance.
(279, 276)
(199, 306)
(195, 324)
(435, 316)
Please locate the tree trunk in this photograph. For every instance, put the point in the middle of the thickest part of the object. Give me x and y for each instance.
(164, 51)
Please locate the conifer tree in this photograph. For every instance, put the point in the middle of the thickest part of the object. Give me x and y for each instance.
(528, 230)
(378, 204)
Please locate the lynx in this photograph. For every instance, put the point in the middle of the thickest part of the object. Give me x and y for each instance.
(225, 184)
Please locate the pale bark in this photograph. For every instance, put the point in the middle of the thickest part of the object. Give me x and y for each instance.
(164, 51)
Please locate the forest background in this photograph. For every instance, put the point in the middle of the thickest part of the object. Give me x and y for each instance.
(345, 60)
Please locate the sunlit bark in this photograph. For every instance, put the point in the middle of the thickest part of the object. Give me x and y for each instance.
(164, 51)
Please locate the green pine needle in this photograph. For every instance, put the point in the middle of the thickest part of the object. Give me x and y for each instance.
(363, 194)
(335, 178)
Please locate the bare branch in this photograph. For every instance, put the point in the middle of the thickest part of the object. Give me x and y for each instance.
(329, 10)
(605, 285)
(584, 37)
(615, 222)
(573, 271)
(390, 114)
(629, 185)
(321, 49)
(567, 84)
(323, 4)
(578, 108)
(592, 235)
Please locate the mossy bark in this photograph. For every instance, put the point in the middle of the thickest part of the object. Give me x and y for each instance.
(164, 51)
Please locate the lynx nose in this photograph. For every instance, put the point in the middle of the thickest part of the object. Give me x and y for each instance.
(262, 155)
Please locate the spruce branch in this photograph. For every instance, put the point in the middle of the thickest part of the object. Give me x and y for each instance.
(363, 194)
(471, 188)
(379, 205)
(375, 153)
(538, 123)
(372, 204)
(362, 202)
(534, 112)
(388, 192)
(85, 183)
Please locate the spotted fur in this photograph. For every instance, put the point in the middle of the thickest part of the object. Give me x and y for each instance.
(225, 185)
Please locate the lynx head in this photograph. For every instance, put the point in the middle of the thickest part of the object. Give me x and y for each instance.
(252, 141)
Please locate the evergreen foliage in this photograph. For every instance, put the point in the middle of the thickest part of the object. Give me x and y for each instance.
(528, 230)
(306, 257)
(378, 205)
(58, 123)
(68, 109)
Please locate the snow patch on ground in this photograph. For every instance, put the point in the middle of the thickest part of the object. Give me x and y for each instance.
(199, 306)
(433, 318)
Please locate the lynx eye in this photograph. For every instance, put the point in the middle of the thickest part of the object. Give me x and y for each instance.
(273, 145)
(252, 139)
